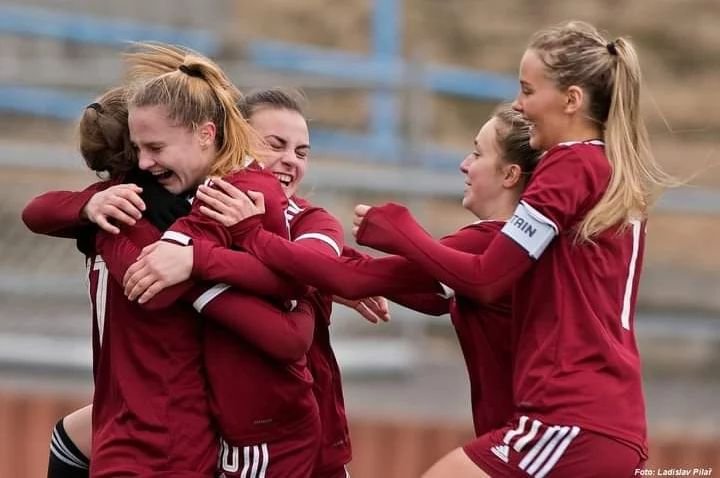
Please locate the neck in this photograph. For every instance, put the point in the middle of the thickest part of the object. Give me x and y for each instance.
(582, 131)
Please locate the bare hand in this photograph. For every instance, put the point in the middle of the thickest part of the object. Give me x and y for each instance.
(160, 265)
(121, 202)
(373, 309)
(360, 213)
(229, 205)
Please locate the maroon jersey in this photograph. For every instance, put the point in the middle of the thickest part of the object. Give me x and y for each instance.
(254, 397)
(150, 412)
(318, 229)
(575, 357)
(577, 360)
(484, 331)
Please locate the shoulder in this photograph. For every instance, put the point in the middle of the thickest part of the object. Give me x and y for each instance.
(588, 156)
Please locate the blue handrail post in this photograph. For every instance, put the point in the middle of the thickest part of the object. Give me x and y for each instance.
(384, 103)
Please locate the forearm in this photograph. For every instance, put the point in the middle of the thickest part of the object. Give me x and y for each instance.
(59, 213)
(284, 336)
(241, 270)
(483, 277)
(352, 278)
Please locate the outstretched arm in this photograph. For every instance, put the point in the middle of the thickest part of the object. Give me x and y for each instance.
(69, 213)
(484, 277)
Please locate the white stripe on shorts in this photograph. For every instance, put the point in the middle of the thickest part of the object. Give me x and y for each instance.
(561, 432)
(558, 453)
(538, 446)
(520, 444)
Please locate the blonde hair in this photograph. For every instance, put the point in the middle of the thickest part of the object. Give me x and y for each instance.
(575, 53)
(194, 90)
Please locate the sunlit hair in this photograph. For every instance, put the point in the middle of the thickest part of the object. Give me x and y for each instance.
(513, 137)
(104, 137)
(272, 98)
(575, 53)
(193, 90)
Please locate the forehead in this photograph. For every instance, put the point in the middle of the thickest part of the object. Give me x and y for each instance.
(487, 136)
(284, 123)
(532, 68)
(151, 121)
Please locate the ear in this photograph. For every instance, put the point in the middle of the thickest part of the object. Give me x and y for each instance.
(512, 175)
(575, 97)
(206, 133)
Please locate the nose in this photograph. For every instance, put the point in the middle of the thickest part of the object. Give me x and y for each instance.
(145, 161)
(516, 104)
(464, 164)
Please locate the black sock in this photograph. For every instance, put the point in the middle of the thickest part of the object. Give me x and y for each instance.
(66, 461)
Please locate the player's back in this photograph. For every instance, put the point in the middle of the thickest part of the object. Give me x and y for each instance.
(150, 413)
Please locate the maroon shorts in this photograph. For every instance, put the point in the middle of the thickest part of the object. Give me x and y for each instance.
(528, 447)
(291, 457)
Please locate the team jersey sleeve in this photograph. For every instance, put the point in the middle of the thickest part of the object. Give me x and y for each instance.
(566, 184)
(58, 213)
(283, 335)
(243, 271)
(199, 226)
(484, 277)
(120, 251)
(319, 230)
(349, 277)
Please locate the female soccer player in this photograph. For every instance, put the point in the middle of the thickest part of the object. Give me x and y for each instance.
(185, 171)
(572, 255)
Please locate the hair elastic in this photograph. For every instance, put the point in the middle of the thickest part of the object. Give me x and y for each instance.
(190, 71)
(612, 48)
(95, 106)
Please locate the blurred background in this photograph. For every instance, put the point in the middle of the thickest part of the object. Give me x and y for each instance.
(397, 90)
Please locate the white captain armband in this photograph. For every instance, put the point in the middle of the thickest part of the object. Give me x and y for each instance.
(530, 229)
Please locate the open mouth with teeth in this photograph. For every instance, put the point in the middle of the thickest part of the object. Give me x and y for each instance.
(161, 175)
(285, 179)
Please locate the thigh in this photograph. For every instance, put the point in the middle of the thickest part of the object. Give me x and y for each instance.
(527, 447)
(78, 426)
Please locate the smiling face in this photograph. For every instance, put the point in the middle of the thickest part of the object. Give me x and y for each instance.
(287, 139)
(179, 157)
(484, 172)
(542, 103)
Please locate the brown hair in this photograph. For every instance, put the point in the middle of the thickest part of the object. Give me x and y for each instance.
(194, 90)
(104, 137)
(575, 53)
(273, 98)
(513, 137)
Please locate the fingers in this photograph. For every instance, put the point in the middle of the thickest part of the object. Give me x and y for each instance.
(228, 188)
(150, 292)
(222, 219)
(215, 199)
(258, 199)
(104, 224)
(366, 313)
(355, 230)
